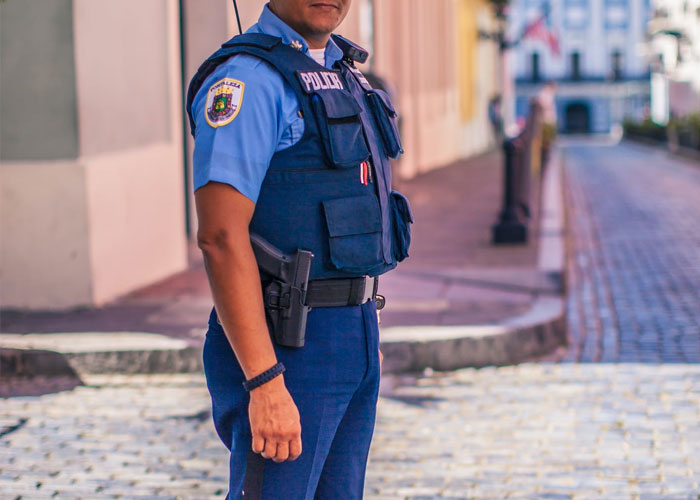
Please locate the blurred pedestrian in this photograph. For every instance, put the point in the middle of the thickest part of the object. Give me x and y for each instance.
(546, 99)
(292, 145)
(496, 117)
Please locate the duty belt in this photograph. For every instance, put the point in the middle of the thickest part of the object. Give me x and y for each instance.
(338, 292)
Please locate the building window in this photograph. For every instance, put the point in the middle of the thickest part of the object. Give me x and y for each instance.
(616, 65)
(576, 17)
(575, 66)
(616, 15)
(536, 67)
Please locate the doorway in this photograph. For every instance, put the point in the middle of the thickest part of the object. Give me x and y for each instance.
(578, 118)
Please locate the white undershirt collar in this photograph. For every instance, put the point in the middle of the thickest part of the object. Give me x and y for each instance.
(318, 55)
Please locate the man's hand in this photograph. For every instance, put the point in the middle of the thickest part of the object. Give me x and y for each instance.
(381, 358)
(274, 422)
(224, 216)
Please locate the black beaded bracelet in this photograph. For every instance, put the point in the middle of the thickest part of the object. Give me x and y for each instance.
(264, 377)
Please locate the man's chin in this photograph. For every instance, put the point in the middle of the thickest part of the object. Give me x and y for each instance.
(323, 29)
(324, 22)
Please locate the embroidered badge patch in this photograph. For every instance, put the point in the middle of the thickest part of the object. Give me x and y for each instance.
(224, 101)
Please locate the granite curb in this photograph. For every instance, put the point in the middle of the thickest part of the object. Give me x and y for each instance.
(537, 332)
(77, 354)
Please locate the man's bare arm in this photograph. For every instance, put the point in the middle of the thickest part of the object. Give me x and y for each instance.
(224, 215)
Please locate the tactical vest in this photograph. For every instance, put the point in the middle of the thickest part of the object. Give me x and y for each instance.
(330, 192)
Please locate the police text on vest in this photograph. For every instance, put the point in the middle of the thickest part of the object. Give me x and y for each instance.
(320, 80)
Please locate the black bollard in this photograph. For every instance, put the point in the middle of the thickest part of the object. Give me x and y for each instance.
(509, 229)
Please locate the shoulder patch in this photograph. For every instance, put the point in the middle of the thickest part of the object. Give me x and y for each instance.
(224, 100)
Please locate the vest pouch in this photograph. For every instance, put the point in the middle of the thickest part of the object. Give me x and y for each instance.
(354, 230)
(341, 129)
(385, 118)
(401, 218)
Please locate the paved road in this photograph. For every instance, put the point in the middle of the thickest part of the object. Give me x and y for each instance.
(635, 260)
(614, 424)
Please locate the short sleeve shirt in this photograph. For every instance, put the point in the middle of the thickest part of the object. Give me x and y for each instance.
(244, 112)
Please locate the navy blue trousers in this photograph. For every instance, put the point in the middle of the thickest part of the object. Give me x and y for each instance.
(334, 381)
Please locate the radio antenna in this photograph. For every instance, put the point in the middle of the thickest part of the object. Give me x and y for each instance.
(238, 18)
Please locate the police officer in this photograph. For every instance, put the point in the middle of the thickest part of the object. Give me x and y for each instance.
(293, 144)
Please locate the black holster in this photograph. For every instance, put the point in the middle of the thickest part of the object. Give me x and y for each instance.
(286, 314)
(285, 282)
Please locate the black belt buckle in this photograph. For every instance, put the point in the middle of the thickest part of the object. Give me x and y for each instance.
(363, 289)
(370, 288)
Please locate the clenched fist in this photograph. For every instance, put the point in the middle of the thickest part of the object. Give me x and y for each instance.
(274, 422)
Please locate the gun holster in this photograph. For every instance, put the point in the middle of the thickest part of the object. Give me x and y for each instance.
(285, 279)
(286, 313)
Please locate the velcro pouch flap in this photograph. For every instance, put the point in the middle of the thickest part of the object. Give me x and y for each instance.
(402, 206)
(386, 102)
(338, 104)
(355, 215)
(385, 117)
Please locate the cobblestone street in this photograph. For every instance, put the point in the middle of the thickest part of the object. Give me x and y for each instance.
(616, 416)
(531, 431)
(634, 270)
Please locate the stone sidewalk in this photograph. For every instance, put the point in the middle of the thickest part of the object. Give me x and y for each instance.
(457, 301)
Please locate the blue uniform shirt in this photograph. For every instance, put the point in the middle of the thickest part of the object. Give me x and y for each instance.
(237, 151)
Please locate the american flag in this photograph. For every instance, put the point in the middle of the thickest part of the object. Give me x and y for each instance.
(540, 29)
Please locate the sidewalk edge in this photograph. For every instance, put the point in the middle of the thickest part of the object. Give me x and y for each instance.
(537, 332)
(47, 363)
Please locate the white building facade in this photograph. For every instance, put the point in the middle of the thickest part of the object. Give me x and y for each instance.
(601, 71)
(674, 53)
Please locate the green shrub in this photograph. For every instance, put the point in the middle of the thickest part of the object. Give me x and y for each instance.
(646, 129)
(686, 130)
